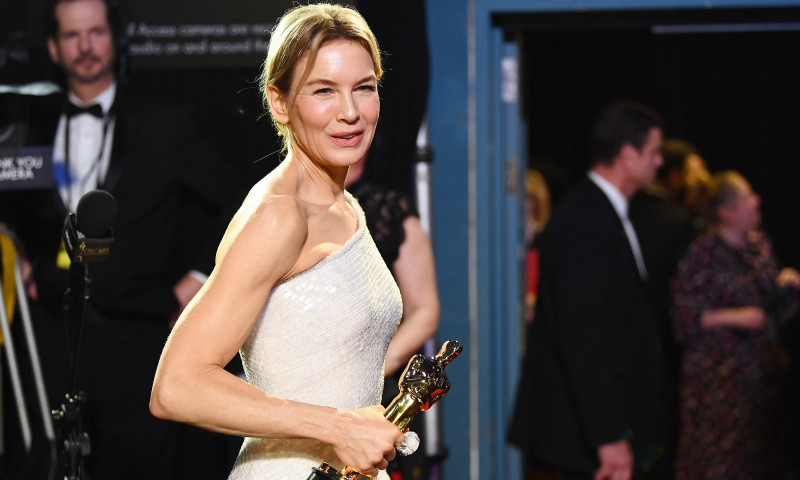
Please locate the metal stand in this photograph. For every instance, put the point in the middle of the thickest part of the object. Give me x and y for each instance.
(11, 356)
(73, 441)
(434, 449)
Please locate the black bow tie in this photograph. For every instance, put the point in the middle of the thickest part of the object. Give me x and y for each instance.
(95, 109)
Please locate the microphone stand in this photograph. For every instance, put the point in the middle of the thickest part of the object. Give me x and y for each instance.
(73, 440)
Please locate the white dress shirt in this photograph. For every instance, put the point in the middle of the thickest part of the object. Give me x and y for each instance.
(620, 204)
(89, 152)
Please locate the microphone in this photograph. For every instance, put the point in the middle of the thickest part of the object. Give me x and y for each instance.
(88, 235)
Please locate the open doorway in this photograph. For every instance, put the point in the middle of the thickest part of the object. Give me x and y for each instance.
(724, 80)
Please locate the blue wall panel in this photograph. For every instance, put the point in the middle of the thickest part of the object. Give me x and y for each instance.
(448, 116)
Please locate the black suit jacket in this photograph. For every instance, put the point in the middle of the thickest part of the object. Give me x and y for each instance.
(174, 200)
(592, 370)
(665, 229)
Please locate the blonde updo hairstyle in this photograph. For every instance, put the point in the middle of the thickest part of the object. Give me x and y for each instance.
(304, 30)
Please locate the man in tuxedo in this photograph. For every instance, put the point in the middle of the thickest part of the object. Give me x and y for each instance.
(174, 199)
(588, 399)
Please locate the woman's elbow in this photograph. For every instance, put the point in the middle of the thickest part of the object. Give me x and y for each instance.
(162, 402)
(157, 407)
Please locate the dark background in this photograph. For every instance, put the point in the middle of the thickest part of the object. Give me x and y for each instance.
(733, 94)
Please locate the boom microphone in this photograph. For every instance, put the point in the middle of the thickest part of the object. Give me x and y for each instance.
(88, 235)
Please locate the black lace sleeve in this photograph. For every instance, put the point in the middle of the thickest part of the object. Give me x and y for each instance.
(386, 210)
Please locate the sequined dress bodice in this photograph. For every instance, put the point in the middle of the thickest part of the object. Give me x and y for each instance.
(321, 339)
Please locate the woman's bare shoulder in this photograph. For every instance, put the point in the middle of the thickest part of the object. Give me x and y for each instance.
(268, 232)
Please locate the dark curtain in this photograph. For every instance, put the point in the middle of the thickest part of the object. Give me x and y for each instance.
(402, 36)
(733, 95)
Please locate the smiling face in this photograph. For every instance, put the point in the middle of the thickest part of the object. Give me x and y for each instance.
(83, 45)
(333, 113)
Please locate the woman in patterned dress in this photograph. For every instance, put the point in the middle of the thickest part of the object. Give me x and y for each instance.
(725, 292)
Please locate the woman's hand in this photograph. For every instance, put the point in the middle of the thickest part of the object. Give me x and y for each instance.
(186, 288)
(365, 440)
(26, 269)
(752, 318)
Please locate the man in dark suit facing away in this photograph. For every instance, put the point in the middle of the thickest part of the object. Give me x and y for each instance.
(588, 399)
(174, 199)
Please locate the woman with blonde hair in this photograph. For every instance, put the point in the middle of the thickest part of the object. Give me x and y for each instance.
(299, 288)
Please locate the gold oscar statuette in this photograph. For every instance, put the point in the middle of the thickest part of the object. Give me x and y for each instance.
(422, 384)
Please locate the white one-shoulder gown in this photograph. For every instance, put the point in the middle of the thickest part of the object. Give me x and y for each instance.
(321, 339)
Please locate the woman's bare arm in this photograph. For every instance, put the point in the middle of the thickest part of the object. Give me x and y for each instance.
(415, 273)
(191, 384)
